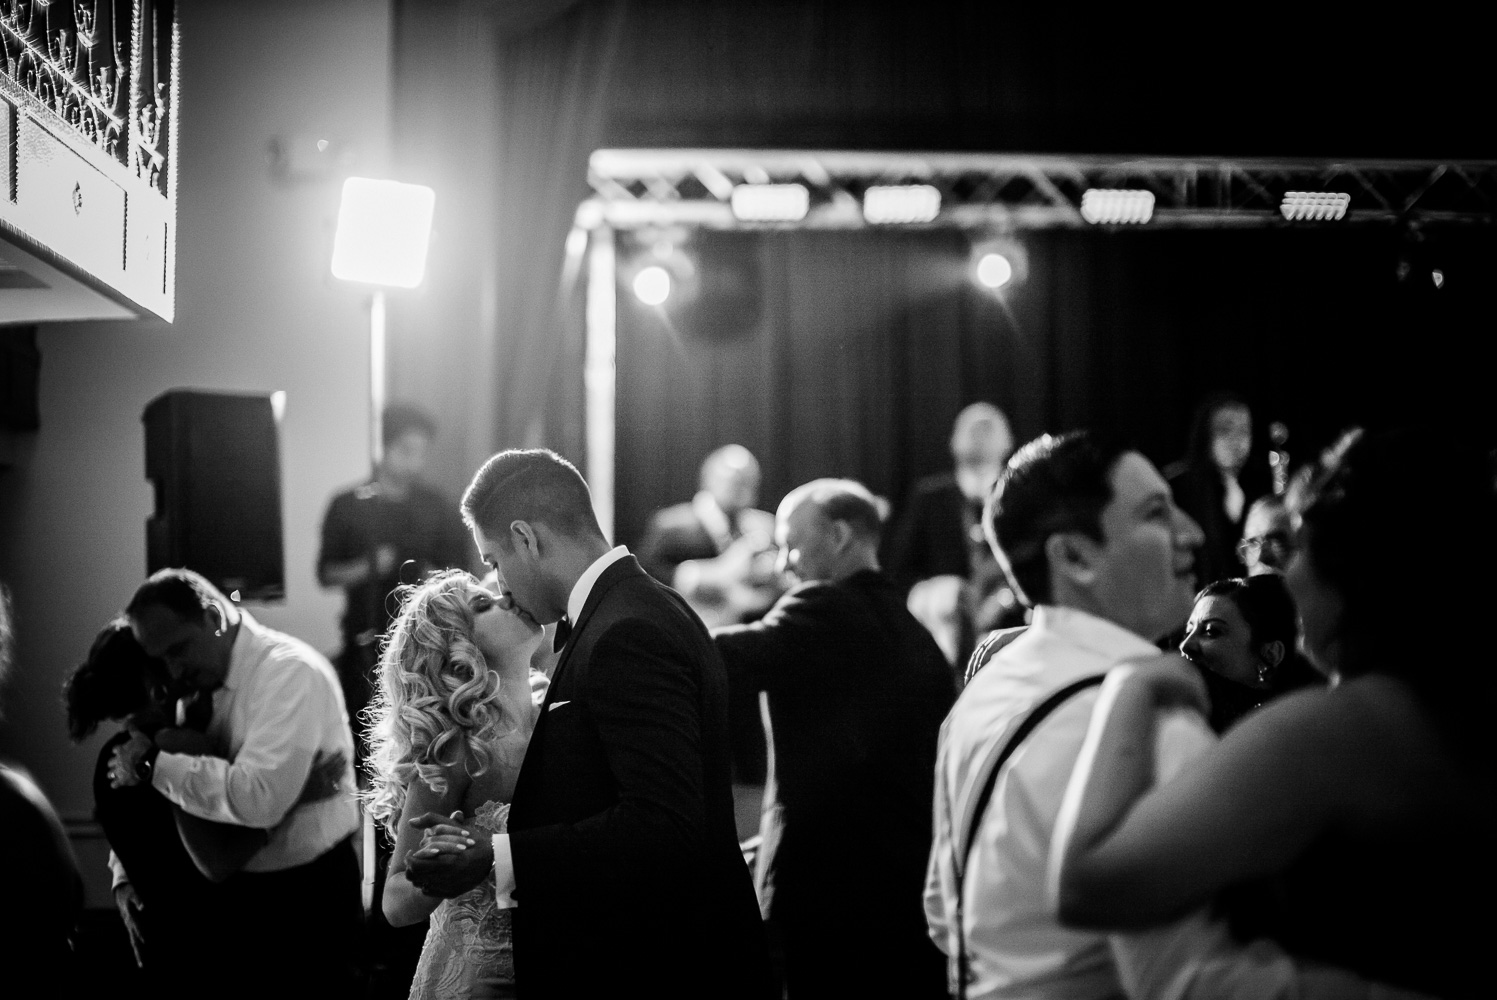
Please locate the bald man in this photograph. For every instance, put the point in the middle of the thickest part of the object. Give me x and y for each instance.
(936, 550)
(856, 690)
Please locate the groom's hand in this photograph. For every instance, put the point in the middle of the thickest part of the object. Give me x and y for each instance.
(451, 859)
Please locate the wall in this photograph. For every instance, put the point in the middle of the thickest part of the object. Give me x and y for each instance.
(256, 311)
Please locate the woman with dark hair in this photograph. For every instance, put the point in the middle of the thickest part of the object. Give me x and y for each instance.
(1216, 482)
(167, 862)
(1369, 804)
(1243, 637)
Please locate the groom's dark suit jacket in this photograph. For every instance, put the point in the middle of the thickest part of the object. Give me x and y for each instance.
(628, 875)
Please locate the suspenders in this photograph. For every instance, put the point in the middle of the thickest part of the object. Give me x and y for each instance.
(963, 848)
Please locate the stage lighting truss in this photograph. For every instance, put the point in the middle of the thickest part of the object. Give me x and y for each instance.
(639, 188)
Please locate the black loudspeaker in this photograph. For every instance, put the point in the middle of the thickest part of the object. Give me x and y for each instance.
(214, 460)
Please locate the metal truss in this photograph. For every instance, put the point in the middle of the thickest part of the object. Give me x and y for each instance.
(645, 188)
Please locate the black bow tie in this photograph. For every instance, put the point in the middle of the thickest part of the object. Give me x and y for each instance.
(563, 631)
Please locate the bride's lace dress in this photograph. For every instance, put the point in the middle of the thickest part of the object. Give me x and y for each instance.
(468, 955)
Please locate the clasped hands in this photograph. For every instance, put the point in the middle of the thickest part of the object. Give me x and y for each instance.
(452, 859)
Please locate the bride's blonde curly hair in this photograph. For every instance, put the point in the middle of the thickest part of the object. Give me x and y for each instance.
(437, 700)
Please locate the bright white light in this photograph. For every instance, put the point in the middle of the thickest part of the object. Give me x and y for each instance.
(278, 405)
(652, 285)
(901, 203)
(384, 228)
(1114, 206)
(770, 202)
(994, 270)
(1314, 205)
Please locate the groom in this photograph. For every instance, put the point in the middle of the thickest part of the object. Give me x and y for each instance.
(621, 859)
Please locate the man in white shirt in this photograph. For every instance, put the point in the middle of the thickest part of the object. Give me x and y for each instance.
(621, 858)
(276, 706)
(1088, 532)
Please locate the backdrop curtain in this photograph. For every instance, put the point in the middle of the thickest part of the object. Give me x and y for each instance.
(499, 103)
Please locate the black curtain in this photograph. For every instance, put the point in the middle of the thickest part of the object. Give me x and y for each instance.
(501, 101)
(849, 353)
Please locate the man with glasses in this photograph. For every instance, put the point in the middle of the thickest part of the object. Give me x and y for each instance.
(1267, 537)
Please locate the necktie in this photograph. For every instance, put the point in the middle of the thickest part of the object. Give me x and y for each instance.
(563, 631)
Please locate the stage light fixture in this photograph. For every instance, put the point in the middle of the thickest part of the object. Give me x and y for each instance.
(994, 270)
(1316, 206)
(383, 231)
(770, 202)
(652, 285)
(901, 203)
(1117, 206)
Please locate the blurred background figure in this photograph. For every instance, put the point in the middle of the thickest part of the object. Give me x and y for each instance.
(856, 690)
(1243, 637)
(1216, 483)
(936, 548)
(1267, 536)
(717, 550)
(44, 894)
(369, 534)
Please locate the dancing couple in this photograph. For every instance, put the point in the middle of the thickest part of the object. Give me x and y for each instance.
(581, 846)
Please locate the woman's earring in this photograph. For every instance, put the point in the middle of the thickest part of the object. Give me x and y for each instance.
(1263, 673)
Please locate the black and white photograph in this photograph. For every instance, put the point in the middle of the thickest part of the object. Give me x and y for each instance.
(769, 500)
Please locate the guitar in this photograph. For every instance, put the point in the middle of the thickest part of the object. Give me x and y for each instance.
(737, 585)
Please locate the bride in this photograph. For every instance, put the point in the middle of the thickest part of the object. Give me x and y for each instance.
(450, 723)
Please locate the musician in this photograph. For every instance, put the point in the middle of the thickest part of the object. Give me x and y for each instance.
(718, 552)
(936, 550)
(718, 549)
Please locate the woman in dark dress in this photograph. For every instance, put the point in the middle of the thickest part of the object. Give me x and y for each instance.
(1369, 804)
(1218, 480)
(1243, 637)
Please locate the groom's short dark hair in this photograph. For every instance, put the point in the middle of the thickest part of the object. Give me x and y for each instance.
(530, 484)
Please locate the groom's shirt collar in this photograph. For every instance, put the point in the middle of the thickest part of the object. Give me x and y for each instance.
(584, 585)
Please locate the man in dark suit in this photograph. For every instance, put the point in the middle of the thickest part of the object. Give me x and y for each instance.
(936, 550)
(857, 690)
(621, 859)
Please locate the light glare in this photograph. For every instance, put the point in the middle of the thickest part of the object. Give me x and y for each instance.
(994, 270)
(903, 203)
(770, 202)
(384, 228)
(1117, 206)
(652, 286)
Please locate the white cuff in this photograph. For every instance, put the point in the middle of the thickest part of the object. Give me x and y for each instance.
(504, 873)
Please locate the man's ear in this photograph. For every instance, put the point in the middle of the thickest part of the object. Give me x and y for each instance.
(841, 535)
(1271, 653)
(523, 537)
(1072, 555)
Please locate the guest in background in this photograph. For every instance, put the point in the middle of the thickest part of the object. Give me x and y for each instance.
(44, 893)
(166, 863)
(276, 705)
(936, 549)
(1243, 637)
(1215, 483)
(370, 533)
(1267, 536)
(856, 690)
